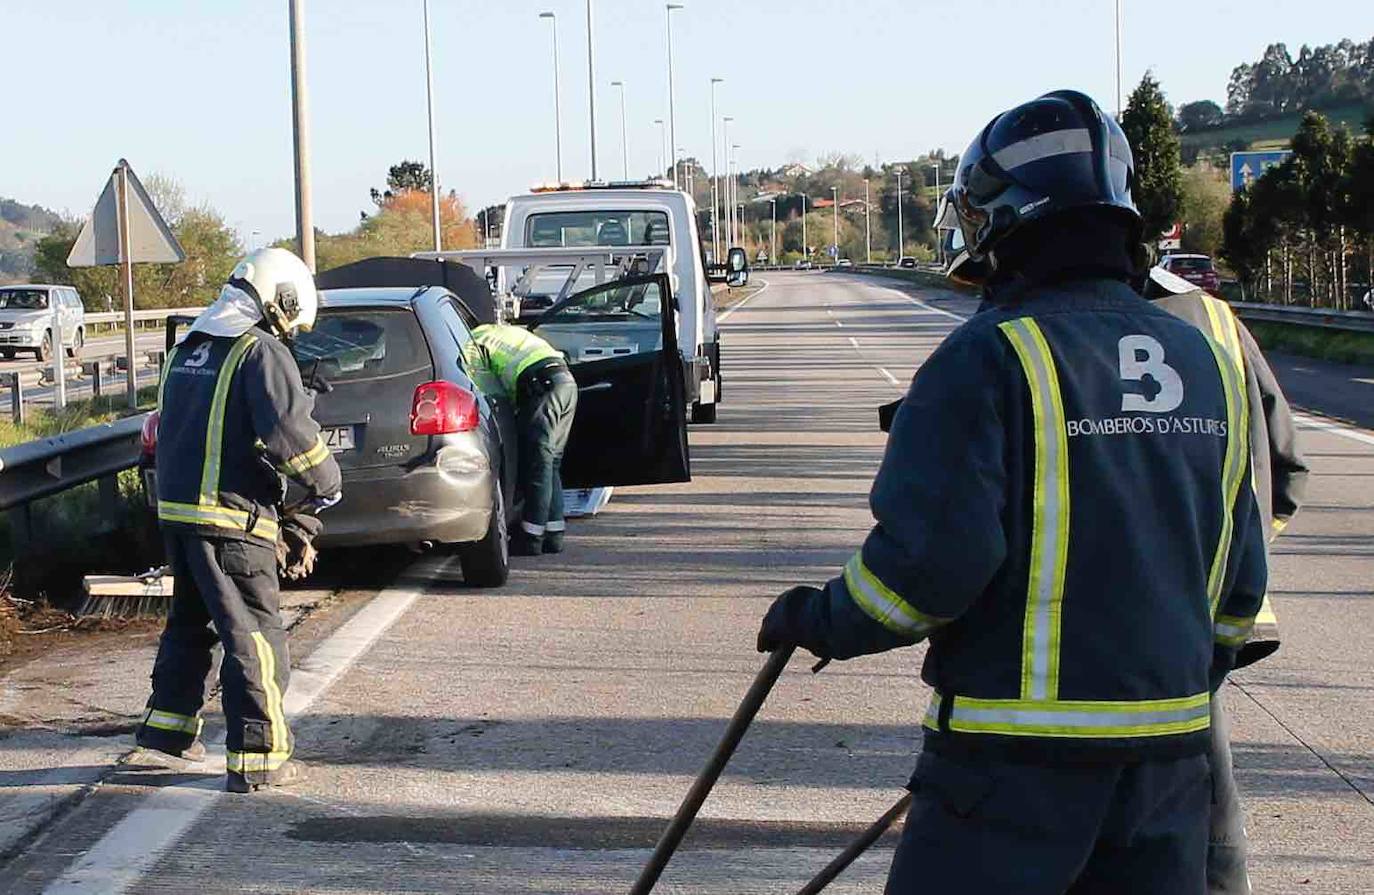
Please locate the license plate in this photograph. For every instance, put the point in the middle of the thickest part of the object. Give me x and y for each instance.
(337, 438)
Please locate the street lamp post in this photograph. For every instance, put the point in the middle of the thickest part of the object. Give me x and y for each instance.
(868, 227)
(687, 180)
(734, 196)
(939, 245)
(773, 240)
(672, 113)
(624, 136)
(557, 102)
(433, 164)
(901, 237)
(591, 85)
(300, 121)
(806, 251)
(662, 142)
(835, 207)
(715, 178)
(1118, 60)
(725, 184)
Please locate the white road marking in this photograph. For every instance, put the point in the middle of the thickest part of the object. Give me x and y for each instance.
(928, 307)
(133, 845)
(722, 317)
(1309, 421)
(855, 342)
(888, 376)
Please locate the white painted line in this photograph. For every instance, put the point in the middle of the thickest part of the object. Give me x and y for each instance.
(855, 342)
(1308, 421)
(838, 323)
(931, 308)
(722, 317)
(888, 376)
(133, 845)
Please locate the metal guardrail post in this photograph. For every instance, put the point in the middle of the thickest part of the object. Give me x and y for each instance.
(97, 379)
(17, 398)
(109, 497)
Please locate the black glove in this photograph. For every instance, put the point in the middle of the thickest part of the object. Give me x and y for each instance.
(788, 622)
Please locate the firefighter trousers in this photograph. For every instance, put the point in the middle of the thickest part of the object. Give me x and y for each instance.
(1228, 846)
(226, 592)
(984, 826)
(547, 402)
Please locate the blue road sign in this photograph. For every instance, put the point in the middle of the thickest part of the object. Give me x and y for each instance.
(1246, 167)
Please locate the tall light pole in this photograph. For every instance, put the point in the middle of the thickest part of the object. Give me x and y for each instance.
(1118, 60)
(687, 182)
(672, 112)
(734, 196)
(624, 136)
(901, 238)
(662, 142)
(868, 227)
(835, 206)
(715, 177)
(433, 164)
(591, 85)
(773, 240)
(939, 244)
(725, 184)
(806, 251)
(557, 102)
(300, 127)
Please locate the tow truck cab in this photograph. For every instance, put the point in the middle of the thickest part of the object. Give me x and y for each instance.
(614, 215)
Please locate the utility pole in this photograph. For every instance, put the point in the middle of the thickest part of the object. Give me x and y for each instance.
(715, 178)
(806, 251)
(433, 164)
(591, 85)
(901, 237)
(725, 185)
(734, 197)
(672, 113)
(773, 240)
(300, 121)
(662, 142)
(1118, 60)
(868, 227)
(624, 136)
(557, 103)
(835, 207)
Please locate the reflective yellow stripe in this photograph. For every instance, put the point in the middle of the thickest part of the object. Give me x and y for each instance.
(1277, 527)
(255, 762)
(166, 368)
(1050, 523)
(173, 722)
(302, 463)
(267, 665)
(1075, 719)
(214, 432)
(1232, 630)
(1233, 469)
(219, 517)
(1223, 326)
(883, 604)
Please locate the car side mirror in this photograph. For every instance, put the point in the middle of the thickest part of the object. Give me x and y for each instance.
(737, 278)
(737, 261)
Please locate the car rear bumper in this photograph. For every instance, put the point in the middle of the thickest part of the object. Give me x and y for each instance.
(446, 499)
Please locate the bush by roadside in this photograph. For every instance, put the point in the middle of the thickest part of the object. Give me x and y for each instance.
(1312, 341)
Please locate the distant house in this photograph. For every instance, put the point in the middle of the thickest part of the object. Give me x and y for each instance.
(796, 169)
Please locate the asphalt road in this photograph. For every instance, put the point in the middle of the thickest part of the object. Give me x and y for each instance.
(535, 739)
(80, 386)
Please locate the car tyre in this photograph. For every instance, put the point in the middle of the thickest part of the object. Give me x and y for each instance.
(78, 342)
(44, 350)
(486, 563)
(704, 413)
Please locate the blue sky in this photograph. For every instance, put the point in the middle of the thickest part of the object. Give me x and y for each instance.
(200, 90)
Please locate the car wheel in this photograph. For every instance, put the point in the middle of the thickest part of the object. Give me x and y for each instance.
(704, 413)
(44, 351)
(486, 563)
(78, 342)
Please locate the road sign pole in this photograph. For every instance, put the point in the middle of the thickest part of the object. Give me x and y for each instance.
(300, 119)
(59, 373)
(126, 276)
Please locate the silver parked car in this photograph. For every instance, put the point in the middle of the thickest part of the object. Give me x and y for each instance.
(26, 320)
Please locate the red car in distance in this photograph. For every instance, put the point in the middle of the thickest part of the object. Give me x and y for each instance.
(1196, 269)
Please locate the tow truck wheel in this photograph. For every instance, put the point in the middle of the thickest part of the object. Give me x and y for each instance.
(704, 413)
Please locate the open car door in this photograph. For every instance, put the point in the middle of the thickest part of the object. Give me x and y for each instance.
(620, 339)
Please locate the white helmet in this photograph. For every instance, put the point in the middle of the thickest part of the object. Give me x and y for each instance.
(282, 286)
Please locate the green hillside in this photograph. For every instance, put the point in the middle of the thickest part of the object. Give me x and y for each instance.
(1272, 134)
(21, 226)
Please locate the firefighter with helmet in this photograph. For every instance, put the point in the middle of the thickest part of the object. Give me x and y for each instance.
(234, 425)
(1064, 511)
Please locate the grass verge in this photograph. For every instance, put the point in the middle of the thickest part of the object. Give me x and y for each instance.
(1313, 341)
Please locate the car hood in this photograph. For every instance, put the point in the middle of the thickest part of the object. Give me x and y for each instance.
(17, 316)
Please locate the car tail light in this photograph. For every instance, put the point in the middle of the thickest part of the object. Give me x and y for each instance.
(441, 407)
(148, 437)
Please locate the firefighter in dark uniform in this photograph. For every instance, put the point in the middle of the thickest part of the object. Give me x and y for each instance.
(1064, 510)
(234, 420)
(534, 376)
(1280, 481)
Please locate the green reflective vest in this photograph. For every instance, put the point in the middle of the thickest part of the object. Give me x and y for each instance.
(511, 350)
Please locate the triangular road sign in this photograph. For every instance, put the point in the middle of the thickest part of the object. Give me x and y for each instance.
(150, 239)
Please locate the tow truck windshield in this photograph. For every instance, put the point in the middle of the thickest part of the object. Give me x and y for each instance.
(580, 229)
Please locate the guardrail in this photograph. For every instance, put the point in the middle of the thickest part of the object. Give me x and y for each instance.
(1322, 318)
(42, 468)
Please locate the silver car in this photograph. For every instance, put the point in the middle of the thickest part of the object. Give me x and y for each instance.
(27, 320)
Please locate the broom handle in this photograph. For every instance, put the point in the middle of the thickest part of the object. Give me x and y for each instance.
(857, 847)
(701, 787)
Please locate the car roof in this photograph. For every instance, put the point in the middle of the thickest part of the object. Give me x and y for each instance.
(32, 286)
(385, 296)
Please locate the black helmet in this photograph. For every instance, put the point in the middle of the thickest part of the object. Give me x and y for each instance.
(1049, 155)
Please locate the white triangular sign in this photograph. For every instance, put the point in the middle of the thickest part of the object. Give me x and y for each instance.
(150, 239)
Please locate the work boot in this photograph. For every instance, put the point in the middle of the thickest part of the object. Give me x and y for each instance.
(553, 542)
(146, 755)
(289, 774)
(522, 543)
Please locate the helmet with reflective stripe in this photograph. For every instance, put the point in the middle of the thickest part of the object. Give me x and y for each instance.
(282, 286)
(1047, 156)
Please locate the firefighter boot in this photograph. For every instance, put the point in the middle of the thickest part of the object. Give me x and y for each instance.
(289, 774)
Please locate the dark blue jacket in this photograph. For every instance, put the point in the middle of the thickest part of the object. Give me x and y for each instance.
(1064, 509)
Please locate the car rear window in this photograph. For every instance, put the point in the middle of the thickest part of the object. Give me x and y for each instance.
(23, 299)
(1195, 265)
(354, 345)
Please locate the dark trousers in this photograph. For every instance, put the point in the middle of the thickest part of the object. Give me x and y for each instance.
(226, 592)
(981, 826)
(546, 403)
(1228, 846)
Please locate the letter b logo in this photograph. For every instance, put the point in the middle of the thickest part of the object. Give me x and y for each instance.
(1141, 357)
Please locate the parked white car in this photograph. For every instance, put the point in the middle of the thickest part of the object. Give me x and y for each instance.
(27, 320)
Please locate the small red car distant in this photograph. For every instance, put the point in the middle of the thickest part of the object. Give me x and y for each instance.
(1196, 269)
